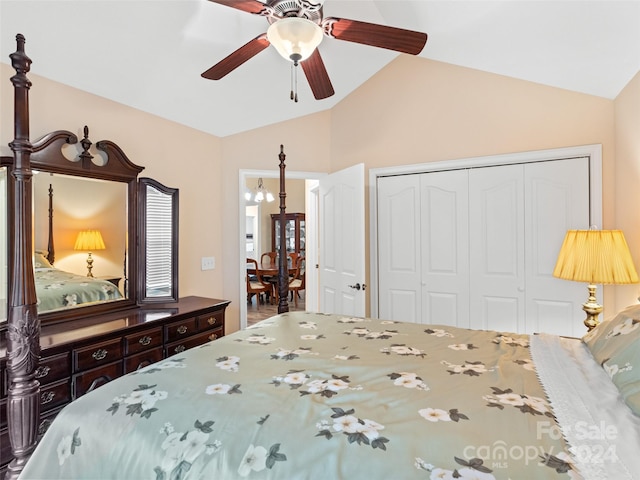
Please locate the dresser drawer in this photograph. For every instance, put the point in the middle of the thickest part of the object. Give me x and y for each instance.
(140, 360)
(211, 320)
(53, 368)
(97, 354)
(54, 395)
(92, 379)
(182, 329)
(138, 342)
(194, 341)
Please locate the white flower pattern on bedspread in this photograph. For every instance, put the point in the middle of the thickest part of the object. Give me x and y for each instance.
(306, 395)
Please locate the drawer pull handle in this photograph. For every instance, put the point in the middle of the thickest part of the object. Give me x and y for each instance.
(46, 397)
(179, 349)
(211, 320)
(182, 329)
(44, 426)
(213, 336)
(146, 340)
(100, 354)
(42, 371)
(101, 380)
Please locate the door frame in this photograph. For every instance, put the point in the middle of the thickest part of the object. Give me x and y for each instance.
(593, 151)
(245, 174)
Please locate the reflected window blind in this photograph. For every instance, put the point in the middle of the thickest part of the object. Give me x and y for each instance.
(158, 248)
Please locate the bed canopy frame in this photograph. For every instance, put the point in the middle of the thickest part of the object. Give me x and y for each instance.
(23, 325)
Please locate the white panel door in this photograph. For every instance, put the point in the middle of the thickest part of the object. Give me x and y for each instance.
(556, 200)
(399, 248)
(444, 223)
(496, 246)
(476, 248)
(342, 242)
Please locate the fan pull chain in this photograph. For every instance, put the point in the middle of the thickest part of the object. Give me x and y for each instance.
(294, 83)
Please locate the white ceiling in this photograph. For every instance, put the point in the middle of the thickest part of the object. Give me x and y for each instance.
(149, 54)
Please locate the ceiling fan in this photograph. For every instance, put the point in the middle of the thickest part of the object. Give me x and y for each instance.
(296, 29)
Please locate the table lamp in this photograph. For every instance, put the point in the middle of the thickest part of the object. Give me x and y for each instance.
(89, 240)
(595, 257)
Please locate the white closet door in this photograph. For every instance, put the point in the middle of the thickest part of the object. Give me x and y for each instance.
(476, 248)
(556, 200)
(496, 246)
(444, 232)
(399, 248)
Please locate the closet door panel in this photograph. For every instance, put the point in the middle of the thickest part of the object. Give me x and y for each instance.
(444, 221)
(399, 248)
(496, 237)
(556, 200)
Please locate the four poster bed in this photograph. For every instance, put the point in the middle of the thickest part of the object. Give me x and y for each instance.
(307, 396)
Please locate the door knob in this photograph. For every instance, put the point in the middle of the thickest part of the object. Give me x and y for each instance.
(357, 286)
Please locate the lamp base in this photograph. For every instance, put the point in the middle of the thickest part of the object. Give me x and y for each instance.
(89, 265)
(592, 308)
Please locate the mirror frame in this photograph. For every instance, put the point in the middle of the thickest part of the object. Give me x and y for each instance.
(143, 297)
(47, 157)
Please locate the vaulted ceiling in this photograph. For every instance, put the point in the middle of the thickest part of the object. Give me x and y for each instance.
(149, 54)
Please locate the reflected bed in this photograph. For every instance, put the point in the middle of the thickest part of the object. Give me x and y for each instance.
(56, 288)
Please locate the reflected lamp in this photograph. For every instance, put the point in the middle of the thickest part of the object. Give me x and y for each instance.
(595, 257)
(89, 241)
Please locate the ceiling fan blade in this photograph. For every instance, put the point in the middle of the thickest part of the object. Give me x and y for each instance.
(382, 36)
(237, 58)
(317, 76)
(250, 6)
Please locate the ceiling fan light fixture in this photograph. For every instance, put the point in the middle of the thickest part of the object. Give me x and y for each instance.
(295, 38)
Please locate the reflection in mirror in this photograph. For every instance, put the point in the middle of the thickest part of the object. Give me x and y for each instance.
(158, 218)
(70, 272)
(4, 264)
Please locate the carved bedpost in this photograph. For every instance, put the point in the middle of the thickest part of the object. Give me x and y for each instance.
(283, 270)
(23, 329)
(51, 252)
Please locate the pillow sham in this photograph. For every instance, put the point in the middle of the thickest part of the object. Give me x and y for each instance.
(624, 370)
(40, 261)
(615, 345)
(614, 335)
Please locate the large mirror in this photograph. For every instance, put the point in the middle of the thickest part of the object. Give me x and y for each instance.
(80, 240)
(84, 204)
(92, 252)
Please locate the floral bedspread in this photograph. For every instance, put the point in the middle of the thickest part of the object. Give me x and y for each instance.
(59, 289)
(311, 396)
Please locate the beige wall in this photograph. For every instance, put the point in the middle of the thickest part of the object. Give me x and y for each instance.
(627, 178)
(413, 111)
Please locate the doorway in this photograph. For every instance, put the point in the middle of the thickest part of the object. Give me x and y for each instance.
(261, 242)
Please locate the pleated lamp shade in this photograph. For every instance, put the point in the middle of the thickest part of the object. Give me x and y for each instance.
(595, 257)
(89, 240)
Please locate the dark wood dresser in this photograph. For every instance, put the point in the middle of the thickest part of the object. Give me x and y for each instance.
(80, 355)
